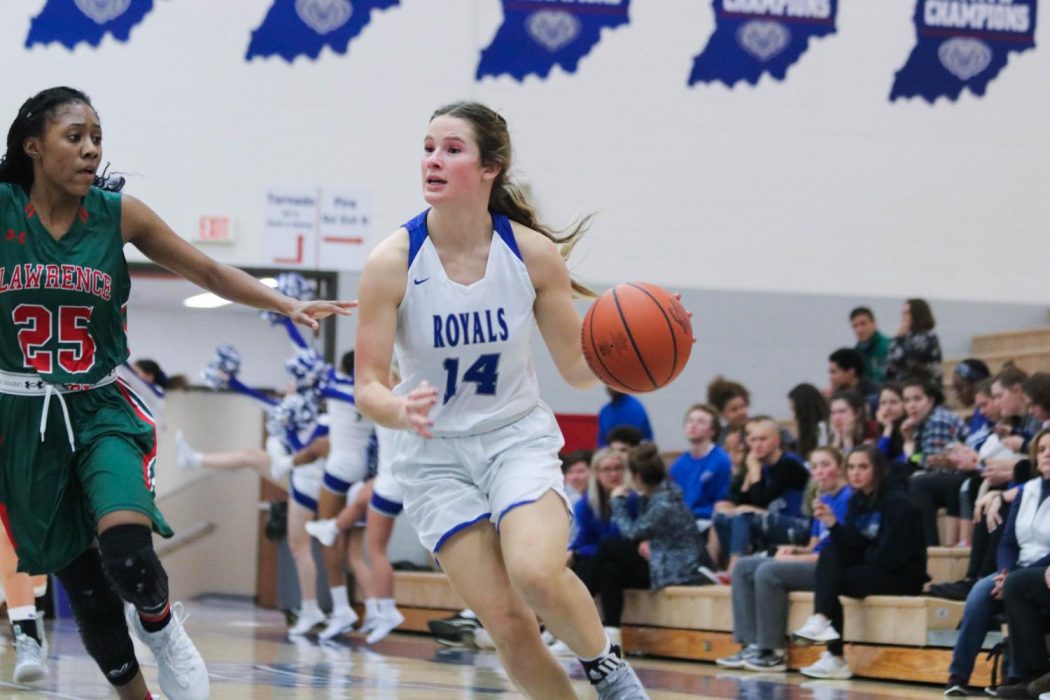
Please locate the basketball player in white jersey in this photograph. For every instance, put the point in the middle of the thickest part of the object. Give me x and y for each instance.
(349, 436)
(455, 293)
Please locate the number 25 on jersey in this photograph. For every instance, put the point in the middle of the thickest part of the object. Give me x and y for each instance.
(38, 325)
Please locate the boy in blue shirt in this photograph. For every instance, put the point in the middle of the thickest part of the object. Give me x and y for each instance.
(703, 472)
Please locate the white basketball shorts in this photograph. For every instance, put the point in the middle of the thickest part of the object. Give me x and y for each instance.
(452, 483)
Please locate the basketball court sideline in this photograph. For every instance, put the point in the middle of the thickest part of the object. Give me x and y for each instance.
(250, 656)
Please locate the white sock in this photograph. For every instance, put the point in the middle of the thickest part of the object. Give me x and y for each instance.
(605, 652)
(387, 605)
(340, 599)
(309, 607)
(22, 613)
(371, 607)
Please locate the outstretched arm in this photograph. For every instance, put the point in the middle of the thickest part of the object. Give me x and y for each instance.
(141, 226)
(555, 312)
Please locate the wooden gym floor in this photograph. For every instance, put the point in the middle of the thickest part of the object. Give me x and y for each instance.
(249, 656)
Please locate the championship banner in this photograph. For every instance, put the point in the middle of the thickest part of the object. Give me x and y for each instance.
(755, 37)
(70, 22)
(537, 35)
(963, 44)
(295, 28)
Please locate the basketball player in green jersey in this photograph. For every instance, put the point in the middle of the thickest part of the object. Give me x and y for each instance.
(77, 446)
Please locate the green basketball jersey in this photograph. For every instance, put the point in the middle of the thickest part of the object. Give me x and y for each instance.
(62, 303)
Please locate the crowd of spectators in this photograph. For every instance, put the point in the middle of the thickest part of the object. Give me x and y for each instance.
(829, 499)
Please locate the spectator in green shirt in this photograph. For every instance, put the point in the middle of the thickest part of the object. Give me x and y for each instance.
(874, 346)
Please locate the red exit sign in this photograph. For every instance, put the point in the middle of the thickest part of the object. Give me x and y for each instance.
(214, 229)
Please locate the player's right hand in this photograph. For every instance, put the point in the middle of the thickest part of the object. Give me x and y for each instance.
(415, 409)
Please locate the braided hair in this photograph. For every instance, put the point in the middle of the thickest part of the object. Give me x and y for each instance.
(16, 167)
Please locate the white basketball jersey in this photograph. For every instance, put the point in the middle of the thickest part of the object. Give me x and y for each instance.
(472, 342)
(348, 431)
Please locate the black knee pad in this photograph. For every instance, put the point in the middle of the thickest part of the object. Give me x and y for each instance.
(133, 567)
(99, 613)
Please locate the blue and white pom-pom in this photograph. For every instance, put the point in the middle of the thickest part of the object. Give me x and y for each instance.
(227, 359)
(308, 369)
(294, 285)
(226, 364)
(295, 412)
(214, 378)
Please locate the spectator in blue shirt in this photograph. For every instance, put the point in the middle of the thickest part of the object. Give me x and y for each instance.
(593, 519)
(703, 472)
(622, 409)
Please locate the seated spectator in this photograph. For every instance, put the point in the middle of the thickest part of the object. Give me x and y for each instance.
(984, 404)
(998, 487)
(849, 422)
(966, 377)
(576, 468)
(871, 344)
(991, 461)
(662, 520)
(930, 430)
(593, 512)
(598, 539)
(1025, 543)
(732, 400)
(1026, 597)
(890, 417)
(622, 409)
(761, 584)
(846, 372)
(1037, 393)
(623, 438)
(1015, 427)
(703, 472)
(810, 409)
(765, 498)
(872, 551)
(916, 347)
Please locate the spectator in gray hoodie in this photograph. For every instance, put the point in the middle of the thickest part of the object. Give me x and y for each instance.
(663, 520)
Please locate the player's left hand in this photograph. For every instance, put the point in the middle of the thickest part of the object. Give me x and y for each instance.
(307, 313)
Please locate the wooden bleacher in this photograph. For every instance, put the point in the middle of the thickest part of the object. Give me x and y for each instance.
(1028, 349)
(887, 637)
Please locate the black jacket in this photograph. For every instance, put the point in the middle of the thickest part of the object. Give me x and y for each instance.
(883, 531)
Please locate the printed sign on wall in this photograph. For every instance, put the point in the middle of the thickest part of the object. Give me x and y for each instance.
(963, 44)
(755, 37)
(303, 27)
(70, 22)
(318, 229)
(537, 35)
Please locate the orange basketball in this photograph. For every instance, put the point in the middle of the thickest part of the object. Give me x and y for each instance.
(637, 337)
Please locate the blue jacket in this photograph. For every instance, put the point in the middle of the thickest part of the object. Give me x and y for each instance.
(626, 410)
(591, 529)
(703, 480)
